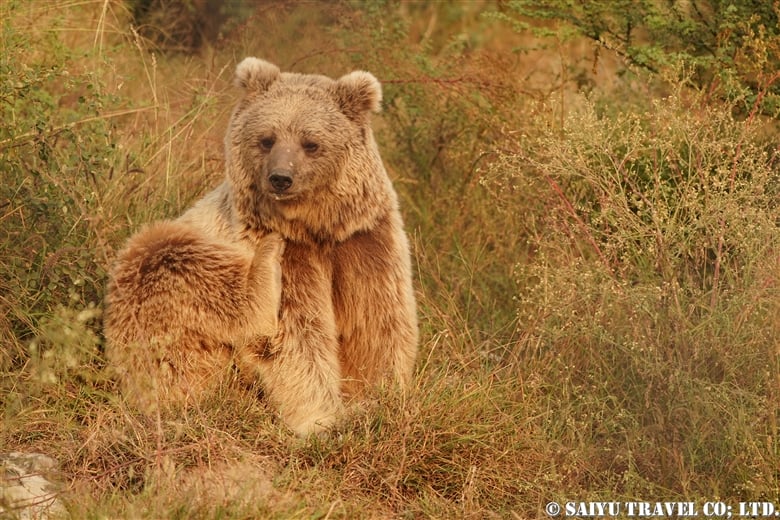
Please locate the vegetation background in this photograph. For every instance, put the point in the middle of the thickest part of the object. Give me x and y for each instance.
(591, 189)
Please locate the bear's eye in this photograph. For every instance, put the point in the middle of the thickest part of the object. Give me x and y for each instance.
(310, 146)
(266, 143)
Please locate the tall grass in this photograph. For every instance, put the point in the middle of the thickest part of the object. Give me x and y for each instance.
(598, 288)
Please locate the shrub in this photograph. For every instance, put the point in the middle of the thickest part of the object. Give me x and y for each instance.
(731, 48)
(57, 152)
(651, 299)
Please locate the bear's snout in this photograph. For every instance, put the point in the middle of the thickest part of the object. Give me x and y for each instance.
(280, 180)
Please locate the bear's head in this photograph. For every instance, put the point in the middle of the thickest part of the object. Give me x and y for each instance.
(301, 157)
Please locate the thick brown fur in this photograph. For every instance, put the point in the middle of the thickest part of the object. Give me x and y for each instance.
(189, 297)
(181, 304)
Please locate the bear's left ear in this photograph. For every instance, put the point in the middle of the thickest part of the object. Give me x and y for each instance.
(357, 93)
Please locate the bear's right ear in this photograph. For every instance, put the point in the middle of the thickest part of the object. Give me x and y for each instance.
(358, 93)
(256, 75)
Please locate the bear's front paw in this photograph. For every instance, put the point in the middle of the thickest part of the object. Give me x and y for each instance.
(315, 424)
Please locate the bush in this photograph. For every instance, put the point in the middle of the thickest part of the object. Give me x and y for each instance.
(652, 298)
(184, 25)
(730, 48)
(57, 152)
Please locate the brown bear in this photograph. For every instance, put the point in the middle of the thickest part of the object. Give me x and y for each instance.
(296, 269)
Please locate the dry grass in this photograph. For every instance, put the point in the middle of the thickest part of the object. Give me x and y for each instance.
(598, 292)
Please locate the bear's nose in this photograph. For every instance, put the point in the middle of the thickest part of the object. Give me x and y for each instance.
(280, 180)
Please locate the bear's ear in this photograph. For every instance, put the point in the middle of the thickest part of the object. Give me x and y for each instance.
(357, 93)
(256, 75)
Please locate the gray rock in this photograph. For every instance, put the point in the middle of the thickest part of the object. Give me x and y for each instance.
(29, 489)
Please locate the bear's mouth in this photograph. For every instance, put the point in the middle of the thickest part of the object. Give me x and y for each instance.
(283, 197)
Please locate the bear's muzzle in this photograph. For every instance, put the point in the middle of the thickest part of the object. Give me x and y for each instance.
(280, 180)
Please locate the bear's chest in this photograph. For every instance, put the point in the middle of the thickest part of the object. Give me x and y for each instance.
(335, 278)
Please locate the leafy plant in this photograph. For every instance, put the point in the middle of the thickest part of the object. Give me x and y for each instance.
(731, 48)
(56, 152)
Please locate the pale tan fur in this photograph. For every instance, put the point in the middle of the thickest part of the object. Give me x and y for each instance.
(347, 316)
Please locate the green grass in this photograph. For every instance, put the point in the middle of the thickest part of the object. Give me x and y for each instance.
(597, 275)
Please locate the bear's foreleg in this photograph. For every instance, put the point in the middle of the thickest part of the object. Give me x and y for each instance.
(301, 375)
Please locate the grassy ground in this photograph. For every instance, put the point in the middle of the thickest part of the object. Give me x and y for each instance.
(597, 258)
